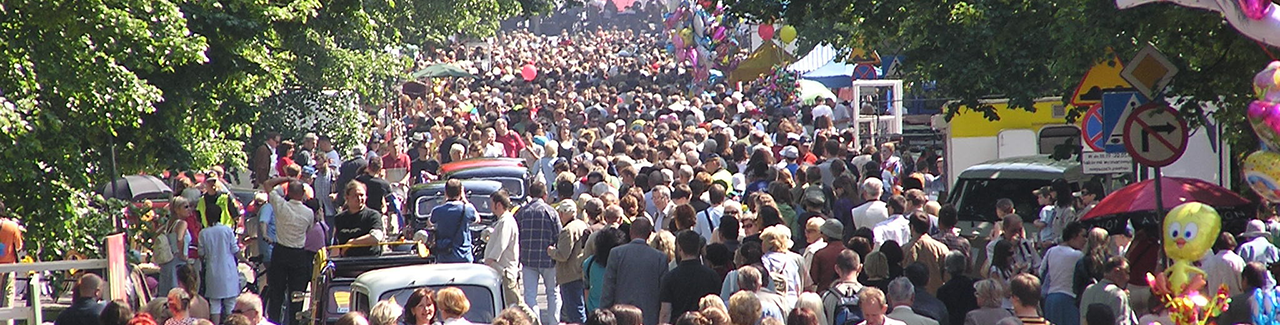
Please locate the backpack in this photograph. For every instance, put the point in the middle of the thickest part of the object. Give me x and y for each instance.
(847, 311)
(161, 249)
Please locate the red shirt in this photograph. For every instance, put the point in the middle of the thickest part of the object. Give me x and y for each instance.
(511, 144)
(823, 271)
(395, 161)
(808, 158)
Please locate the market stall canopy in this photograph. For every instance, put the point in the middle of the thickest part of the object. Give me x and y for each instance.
(760, 62)
(441, 70)
(1137, 201)
(821, 55)
(136, 187)
(811, 90)
(836, 74)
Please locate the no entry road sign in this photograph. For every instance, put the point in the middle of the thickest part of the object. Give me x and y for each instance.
(1155, 135)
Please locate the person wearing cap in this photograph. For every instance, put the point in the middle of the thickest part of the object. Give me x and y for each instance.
(1257, 247)
(1044, 198)
(789, 155)
(216, 205)
(1089, 197)
(568, 254)
(305, 156)
(823, 266)
(813, 204)
(806, 156)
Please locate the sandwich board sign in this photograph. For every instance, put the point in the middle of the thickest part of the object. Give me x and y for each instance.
(1149, 71)
(1101, 78)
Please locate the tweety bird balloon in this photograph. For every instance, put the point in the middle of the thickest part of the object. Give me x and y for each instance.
(1190, 230)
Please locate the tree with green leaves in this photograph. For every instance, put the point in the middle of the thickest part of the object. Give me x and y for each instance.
(1027, 49)
(180, 85)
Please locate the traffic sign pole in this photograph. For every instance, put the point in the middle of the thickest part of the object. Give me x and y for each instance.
(1159, 197)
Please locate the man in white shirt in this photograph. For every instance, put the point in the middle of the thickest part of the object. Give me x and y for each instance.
(290, 269)
(1059, 269)
(823, 109)
(874, 211)
(1223, 267)
(502, 252)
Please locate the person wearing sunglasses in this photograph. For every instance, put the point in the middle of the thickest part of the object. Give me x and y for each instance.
(175, 232)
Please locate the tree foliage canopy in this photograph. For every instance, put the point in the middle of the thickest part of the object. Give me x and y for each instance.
(1026, 49)
(179, 84)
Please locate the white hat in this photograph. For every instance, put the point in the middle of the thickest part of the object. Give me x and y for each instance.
(1255, 228)
(790, 152)
(719, 124)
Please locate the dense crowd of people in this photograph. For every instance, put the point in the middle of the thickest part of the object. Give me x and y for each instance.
(651, 202)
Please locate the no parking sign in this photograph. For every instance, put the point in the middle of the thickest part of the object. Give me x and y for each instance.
(1093, 132)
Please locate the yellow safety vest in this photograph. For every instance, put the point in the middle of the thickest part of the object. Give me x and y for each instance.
(224, 202)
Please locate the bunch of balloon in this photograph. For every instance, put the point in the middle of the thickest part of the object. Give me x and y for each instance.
(1190, 231)
(702, 38)
(1262, 167)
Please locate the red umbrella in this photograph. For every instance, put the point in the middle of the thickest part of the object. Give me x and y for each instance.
(1138, 201)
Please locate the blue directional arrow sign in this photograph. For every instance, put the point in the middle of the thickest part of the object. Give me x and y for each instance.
(1116, 107)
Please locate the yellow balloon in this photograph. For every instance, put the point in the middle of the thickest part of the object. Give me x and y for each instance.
(687, 35)
(1189, 232)
(787, 34)
(1262, 173)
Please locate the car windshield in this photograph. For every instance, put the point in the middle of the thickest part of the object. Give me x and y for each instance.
(481, 202)
(481, 299)
(514, 186)
(975, 199)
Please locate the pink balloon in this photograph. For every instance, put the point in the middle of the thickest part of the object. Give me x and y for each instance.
(529, 72)
(1259, 109)
(677, 41)
(693, 57)
(766, 31)
(719, 34)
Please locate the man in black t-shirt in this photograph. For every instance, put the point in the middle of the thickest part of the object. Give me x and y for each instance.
(349, 170)
(378, 188)
(357, 224)
(689, 281)
(454, 131)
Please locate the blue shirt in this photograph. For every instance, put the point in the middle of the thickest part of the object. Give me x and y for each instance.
(267, 221)
(453, 237)
(538, 227)
(593, 274)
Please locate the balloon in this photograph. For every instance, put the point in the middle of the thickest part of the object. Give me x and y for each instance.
(678, 41)
(699, 26)
(1264, 117)
(1189, 231)
(687, 35)
(719, 33)
(1266, 84)
(693, 57)
(766, 31)
(1262, 172)
(529, 72)
(787, 34)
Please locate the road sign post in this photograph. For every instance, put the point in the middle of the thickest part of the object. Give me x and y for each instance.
(1155, 135)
